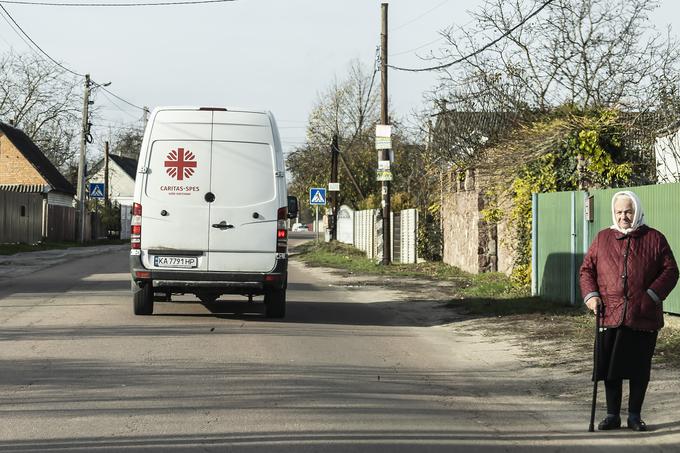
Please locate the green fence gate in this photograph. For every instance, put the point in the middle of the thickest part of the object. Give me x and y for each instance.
(561, 234)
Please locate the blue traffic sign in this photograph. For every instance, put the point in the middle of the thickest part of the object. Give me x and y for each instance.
(96, 190)
(317, 196)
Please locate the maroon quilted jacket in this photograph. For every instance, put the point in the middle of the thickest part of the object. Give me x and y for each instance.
(621, 268)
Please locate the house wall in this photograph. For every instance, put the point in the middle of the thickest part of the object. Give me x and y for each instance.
(14, 168)
(667, 154)
(121, 186)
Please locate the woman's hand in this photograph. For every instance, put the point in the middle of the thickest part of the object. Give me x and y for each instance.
(593, 302)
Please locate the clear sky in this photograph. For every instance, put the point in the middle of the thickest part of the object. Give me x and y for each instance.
(271, 54)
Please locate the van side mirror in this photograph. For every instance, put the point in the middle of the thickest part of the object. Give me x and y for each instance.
(292, 207)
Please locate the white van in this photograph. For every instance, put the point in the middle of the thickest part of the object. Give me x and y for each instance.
(210, 208)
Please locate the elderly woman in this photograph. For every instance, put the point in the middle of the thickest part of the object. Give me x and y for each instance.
(628, 271)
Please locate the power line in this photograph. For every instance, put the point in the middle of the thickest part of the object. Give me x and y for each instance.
(429, 42)
(56, 62)
(118, 107)
(478, 51)
(115, 5)
(37, 46)
(418, 17)
(118, 97)
(416, 48)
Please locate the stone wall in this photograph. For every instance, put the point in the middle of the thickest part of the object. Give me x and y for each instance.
(461, 233)
(506, 255)
(470, 243)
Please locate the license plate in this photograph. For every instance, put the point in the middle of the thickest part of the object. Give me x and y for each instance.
(185, 262)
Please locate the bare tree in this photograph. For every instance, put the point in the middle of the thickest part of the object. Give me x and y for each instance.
(43, 101)
(348, 109)
(584, 54)
(588, 53)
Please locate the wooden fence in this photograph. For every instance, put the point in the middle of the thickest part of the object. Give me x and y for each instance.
(21, 217)
(61, 223)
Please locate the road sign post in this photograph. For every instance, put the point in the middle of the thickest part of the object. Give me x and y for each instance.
(316, 223)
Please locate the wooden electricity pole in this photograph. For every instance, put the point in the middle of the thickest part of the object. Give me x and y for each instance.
(384, 154)
(334, 193)
(106, 174)
(81, 163)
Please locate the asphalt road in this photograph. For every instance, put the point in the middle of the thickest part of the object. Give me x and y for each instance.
(349, 369)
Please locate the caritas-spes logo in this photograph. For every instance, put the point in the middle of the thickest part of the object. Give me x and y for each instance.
(180, 164)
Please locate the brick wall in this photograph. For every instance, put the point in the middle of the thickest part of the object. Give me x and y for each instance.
(14, 168)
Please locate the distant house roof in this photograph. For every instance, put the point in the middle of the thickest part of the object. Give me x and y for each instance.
(470, 131)
(35, 156)
(128, 165)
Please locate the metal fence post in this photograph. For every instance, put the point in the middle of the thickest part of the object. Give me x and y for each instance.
(534, 244)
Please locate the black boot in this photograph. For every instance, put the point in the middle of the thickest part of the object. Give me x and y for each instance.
(610, 422)
(636, 424)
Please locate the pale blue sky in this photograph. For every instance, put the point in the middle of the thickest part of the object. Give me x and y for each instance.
(271, 54)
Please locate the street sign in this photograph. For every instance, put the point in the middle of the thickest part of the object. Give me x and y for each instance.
(96, 190)
(383, 136)
(384, 175)
(334, 187)
(317, 196)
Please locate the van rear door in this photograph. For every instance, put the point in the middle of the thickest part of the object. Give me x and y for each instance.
(243, 217)
(177, 177)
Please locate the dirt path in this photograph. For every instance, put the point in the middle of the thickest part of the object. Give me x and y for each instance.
(543, 342)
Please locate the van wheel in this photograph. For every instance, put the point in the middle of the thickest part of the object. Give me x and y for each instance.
(275, 303)
(142, 298)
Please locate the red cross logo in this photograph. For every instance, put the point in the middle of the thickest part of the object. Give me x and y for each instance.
(180, 164)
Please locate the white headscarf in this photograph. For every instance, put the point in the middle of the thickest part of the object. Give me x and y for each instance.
(638, 218)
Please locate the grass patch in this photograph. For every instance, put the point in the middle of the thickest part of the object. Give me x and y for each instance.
(337, 255)
(11, 249)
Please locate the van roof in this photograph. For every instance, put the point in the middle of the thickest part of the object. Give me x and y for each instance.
(209, 107)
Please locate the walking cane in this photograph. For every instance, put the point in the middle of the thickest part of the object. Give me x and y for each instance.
(596, 353)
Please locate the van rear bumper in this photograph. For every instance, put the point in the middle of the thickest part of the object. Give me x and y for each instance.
(224, 282)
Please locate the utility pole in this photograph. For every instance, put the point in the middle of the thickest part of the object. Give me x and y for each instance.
(81, 163)
(334, 193)
(385, 153)
(146, 116)
(106, 174)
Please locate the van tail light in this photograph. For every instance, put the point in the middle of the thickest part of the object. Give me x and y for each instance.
(281, 232)
(136, 227)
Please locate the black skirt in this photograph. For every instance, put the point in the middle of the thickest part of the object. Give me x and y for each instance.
(625, 354)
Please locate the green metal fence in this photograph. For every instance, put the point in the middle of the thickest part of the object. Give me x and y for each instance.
(562, 234)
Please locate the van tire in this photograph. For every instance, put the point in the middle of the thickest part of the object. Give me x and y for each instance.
(142, 298)
(275, 303)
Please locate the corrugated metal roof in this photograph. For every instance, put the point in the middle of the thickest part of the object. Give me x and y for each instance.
(25, 188)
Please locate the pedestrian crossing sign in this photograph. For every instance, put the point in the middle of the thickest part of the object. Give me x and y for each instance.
(96, 190)
(317, 196)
